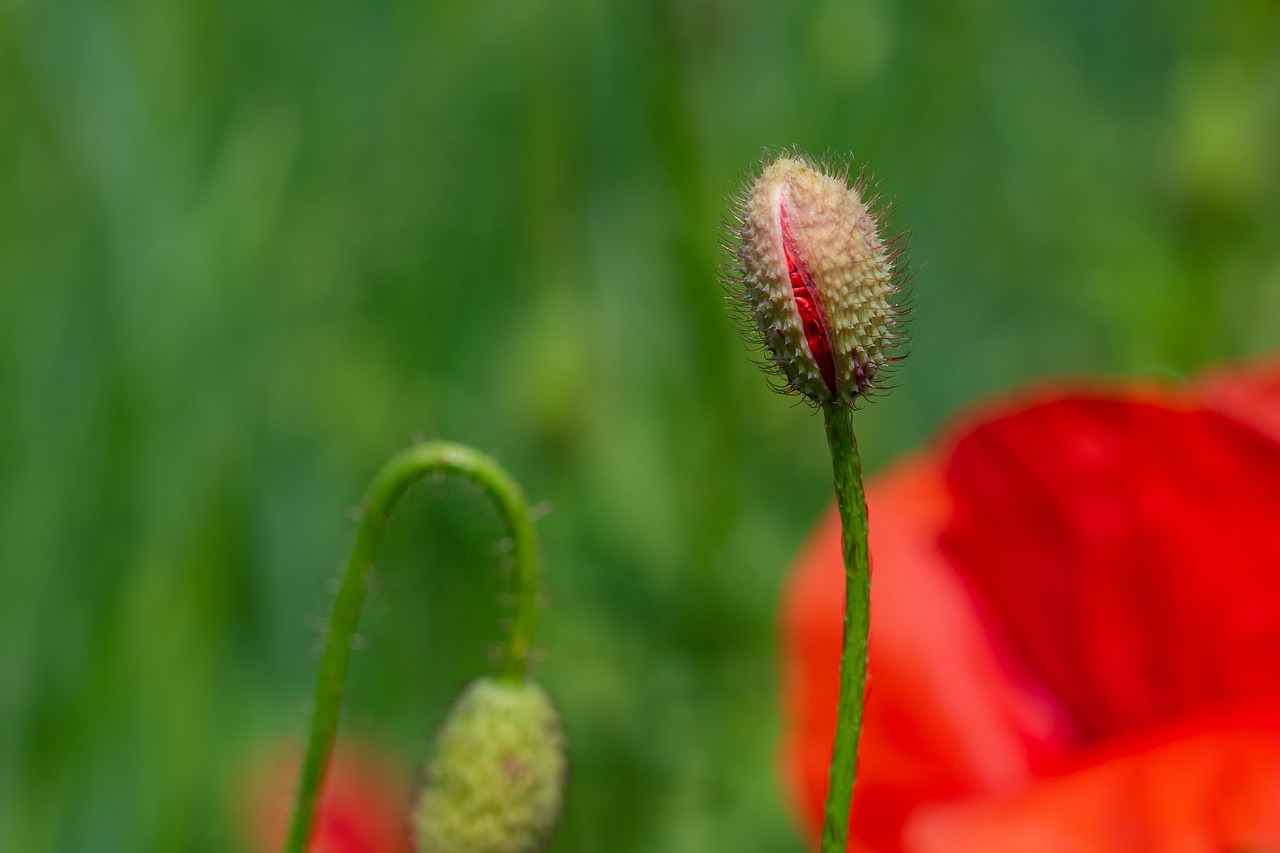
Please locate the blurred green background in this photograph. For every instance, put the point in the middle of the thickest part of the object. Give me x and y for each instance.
(248, 250)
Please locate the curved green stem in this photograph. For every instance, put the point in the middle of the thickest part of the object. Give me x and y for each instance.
(404, 469)
(857, 610)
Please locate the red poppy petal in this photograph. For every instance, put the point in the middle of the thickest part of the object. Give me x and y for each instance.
(1250, 395)
(1200, 791)
(945, 714)
(363, 806)
(1128, 549)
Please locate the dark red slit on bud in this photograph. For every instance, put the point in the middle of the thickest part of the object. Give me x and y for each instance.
(813, 317)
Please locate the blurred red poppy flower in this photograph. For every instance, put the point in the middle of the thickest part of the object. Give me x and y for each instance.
(1075, 630)
(363, 807)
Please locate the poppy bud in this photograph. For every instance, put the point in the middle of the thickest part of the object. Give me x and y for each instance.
(817, 279)
(497, 779)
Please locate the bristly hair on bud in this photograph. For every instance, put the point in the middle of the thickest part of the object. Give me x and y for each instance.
(815, 280)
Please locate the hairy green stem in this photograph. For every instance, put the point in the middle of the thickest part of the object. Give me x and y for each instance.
(404, 469)
(852, 503)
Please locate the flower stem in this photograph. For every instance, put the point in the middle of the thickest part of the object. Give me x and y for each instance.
(404, 469)
(852, 503)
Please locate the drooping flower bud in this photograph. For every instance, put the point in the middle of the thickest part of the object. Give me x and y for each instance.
(817, 279)
(497, 779)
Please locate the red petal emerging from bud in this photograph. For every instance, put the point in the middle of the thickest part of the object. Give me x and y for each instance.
(812, 317)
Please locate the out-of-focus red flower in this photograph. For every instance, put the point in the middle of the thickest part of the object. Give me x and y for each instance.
(363, 807)
(1075, 631)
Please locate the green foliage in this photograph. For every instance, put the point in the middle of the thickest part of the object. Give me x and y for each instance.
(248, 250)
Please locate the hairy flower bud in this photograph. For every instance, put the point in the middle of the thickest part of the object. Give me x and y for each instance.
(816, 278)
(497, 779)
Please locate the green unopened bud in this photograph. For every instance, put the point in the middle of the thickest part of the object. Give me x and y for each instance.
(817, 279)
(497, 779)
